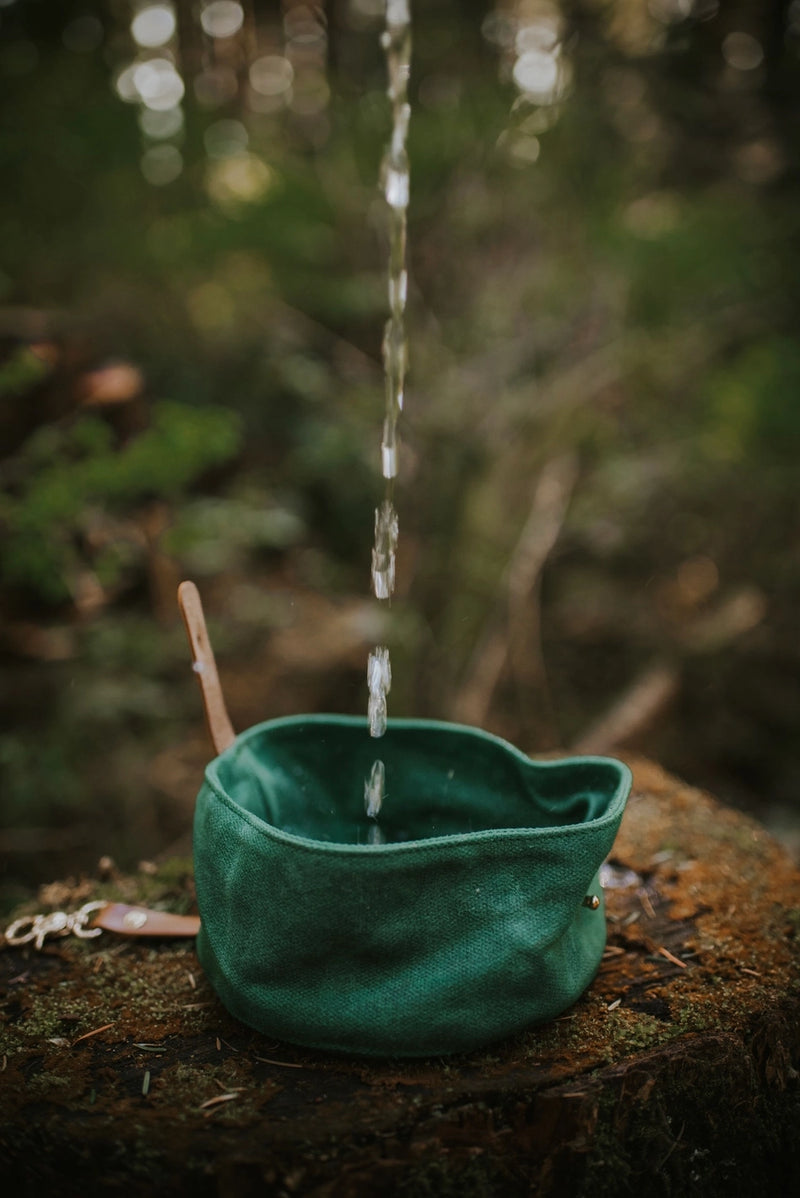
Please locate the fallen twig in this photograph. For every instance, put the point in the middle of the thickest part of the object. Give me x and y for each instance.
(217, 1099)
(95, 1032)
(671, 957)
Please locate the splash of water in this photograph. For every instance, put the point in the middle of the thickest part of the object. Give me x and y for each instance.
(384, 550)
(374, 788)
(379, 681)
(395, 183)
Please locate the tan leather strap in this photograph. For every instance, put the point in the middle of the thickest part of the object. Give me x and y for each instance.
(141, 921)
(205, 667)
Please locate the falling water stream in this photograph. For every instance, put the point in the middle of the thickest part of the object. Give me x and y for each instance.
(396, 41)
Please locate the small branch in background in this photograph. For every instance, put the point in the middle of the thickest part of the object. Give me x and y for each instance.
(163, 572)
(651, 693)
(567, 387)
(538, 724)
(521, 630)
(475, 696)
(737, 614)
(638, 708)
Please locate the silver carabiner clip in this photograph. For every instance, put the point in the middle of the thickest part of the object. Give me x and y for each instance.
(37, 928)
(81, 918)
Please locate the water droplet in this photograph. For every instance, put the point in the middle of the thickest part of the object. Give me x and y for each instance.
(379, 670)
(374, 788)
(384, 550)
(395, 361)
(389, 461)
(375, 835)
(376, 715)
(379, 681)
(398, 291)
(396, 186)
(397, 12)
(394, 181)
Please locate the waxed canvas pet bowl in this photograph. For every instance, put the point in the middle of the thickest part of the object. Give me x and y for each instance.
(468, 924)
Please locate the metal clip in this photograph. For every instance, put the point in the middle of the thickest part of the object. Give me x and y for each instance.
(37, 928)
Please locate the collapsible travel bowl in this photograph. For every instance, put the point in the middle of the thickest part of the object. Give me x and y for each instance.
(481, 912)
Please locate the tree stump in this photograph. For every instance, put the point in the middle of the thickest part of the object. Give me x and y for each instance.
(677, 1072)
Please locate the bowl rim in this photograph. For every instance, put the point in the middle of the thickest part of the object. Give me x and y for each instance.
(611, 815)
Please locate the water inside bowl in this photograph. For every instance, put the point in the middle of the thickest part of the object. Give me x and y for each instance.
(307, 779)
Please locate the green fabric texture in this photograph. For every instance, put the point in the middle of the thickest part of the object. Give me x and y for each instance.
(466, 925)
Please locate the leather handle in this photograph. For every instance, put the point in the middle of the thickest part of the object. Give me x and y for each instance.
(205, 667)
(141, 921)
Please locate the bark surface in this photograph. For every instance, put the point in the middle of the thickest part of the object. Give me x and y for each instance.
(677, 1071)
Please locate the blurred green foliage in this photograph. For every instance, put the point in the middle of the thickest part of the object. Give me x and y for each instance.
(65, 472)
(615, 275)
(19, 373)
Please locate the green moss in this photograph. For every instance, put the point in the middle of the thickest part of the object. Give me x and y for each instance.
(631, 1032)
(47, 1085)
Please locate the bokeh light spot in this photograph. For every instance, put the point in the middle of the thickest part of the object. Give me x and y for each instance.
(158, 83)
(668, 11)
(652, 216)
(222, 18)
(224, 139)
(698, 577)
(271, 75)
(536, 74)
(124, 84)
(161, 125)
(234, 182)
(153, 26)
(161, 165)
(541, 36)
(742, 51)
(524, 151)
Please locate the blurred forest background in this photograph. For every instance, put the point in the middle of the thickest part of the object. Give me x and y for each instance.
(598, 500)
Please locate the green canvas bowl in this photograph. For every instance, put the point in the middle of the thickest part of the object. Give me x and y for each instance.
(468, 924)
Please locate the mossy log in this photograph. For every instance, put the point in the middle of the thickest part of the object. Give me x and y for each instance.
(676, 1073)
